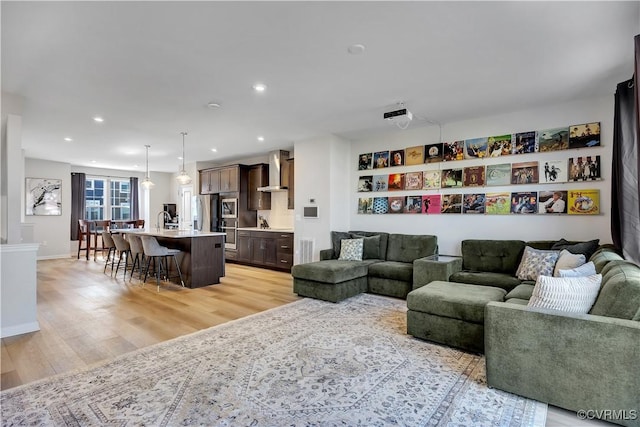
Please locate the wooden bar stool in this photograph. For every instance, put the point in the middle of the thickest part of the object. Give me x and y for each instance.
(98, 228)
(84, 236)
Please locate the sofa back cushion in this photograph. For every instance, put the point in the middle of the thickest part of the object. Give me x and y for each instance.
(336, 240)
(620, 292)
(602, 257)
(371, 246)
(384, 238)
(407, 248)
(493, 256)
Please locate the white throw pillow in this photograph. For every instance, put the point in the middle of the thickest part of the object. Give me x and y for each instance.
(567, 261)
(536, 262)
(570, 294)
(588, 269)
(351, 249)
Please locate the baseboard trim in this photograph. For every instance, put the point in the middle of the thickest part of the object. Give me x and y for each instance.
(23, 328)
(41, 258)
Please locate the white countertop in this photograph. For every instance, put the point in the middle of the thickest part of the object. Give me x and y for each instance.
(173, 234)
(275, 230)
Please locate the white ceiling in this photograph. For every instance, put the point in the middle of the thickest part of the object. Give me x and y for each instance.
(150, 68)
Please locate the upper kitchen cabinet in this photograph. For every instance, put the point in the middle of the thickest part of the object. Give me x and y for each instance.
(289, 181)
(259, 177)
(210, 181)
(229, 179)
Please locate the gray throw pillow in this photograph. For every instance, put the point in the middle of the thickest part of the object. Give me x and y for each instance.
(371, 246)
(336, 238)
(585, 248)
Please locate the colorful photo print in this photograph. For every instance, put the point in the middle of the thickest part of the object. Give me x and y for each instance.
(584, 168)
(380, 182)
(453, 151)
(584, 202)
(524, 202)
(475, 148)
(473, 176)
(499, 145)
(451, 178)
(473, 203)
(413, 181)
(397, 158)
(525, 142)
(553, 139)
(524, 173)
(365, 205)
(365, 183)
(433, 153)
(451, 203)
(431, 179)
(499, 174)
(365, 161)
(553, 171)
(414, 155)
(550, 202)
(413, 205)
(431, 204)
(380, 205)
(498, 203)
(396, 205)
(380, 159)
(396, 182)
(586, 135)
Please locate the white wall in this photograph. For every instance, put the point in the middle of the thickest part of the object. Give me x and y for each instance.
(11, 168)
(451, 229)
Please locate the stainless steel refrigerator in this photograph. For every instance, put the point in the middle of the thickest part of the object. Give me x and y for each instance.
(201, 212)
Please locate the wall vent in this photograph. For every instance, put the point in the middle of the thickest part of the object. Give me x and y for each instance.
(306, 251)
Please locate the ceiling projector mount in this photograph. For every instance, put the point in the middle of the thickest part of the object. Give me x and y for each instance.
(401, 117)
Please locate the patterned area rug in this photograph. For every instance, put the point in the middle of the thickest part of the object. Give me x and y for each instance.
(309, 363)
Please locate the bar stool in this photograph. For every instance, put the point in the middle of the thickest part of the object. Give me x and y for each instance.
(109, 244)
(123, 248)
(153, 250)
(84, 235)
(137, 254)
(98, 228)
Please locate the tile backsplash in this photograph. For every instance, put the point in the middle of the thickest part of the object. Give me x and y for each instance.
(279, 216)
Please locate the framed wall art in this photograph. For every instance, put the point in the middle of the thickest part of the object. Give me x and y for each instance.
(44, 196)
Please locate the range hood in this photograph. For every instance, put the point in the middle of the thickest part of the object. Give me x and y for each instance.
(277, 160)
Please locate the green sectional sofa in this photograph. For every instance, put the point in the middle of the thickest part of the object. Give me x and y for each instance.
(387, 267)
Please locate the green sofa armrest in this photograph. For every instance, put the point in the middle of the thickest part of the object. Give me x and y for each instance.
(574, 361)
(426, 270)
(326, 254)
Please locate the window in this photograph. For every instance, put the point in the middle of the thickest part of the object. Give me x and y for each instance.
(107, 198)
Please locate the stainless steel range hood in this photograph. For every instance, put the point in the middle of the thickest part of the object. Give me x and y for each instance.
(277, 160)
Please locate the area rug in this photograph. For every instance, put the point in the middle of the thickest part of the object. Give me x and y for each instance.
(309, 363)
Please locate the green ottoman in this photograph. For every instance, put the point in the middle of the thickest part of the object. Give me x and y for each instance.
(451, 313)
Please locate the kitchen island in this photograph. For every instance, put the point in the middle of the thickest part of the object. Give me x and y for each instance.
(202, 253)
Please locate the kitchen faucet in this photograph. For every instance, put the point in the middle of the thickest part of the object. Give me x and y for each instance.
(166, 215)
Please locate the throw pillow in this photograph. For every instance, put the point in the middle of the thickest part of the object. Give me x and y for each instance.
(536, 262)
(336, 238)
(567, 261)
(351, 249)
(585, 248)
(588, 269)
(371, 248)
(570, 294)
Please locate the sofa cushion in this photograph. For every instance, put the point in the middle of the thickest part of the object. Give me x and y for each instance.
(454, 300)
(603, 257)
(588, 269)
(384, 240)
(394, 270)
(498, 280)
(371, 248)
(568, 294)
(522, 291)
(536, 262)
(493, 256)
(336, 238)
(331, 271)
(407, 248)
(620, 293)
(516, 301)
(585, 248)
(351, 249)
(568, 261)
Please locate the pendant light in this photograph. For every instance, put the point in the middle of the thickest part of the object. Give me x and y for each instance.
(183, 178)
(146, 182)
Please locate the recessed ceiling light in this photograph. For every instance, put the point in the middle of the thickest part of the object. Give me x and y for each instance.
(93, 161)
(259, 87)
(179, 157)
(98, 119)
(68, 139)
(215, 150)
(261, 138)
(136, 166)
(213, 105)
(356, 49)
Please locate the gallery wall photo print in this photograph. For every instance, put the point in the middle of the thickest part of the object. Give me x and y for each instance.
(44, 196)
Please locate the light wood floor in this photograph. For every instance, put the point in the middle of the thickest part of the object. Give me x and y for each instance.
(87, 317)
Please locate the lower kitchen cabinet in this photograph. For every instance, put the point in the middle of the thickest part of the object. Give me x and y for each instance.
(268, 249)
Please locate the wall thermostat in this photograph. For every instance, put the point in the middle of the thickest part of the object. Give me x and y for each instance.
(310, 212)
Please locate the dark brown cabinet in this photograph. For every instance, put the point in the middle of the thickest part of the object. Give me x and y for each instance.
(267, 249)
(284, 250)
(229, 179)
(290, 182)
(263, 248)
(220, 180)
(209, 181)
(243, 246)
(259, 177)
